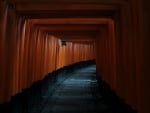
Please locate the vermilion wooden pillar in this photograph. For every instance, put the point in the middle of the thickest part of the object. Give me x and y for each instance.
(126, 61)
(3, 22)
(140, 21)
(8, 33)
(106, 54)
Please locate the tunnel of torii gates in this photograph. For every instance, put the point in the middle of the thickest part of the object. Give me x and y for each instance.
(114, 32)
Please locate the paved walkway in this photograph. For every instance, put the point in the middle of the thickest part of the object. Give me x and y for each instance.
(77, 94)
